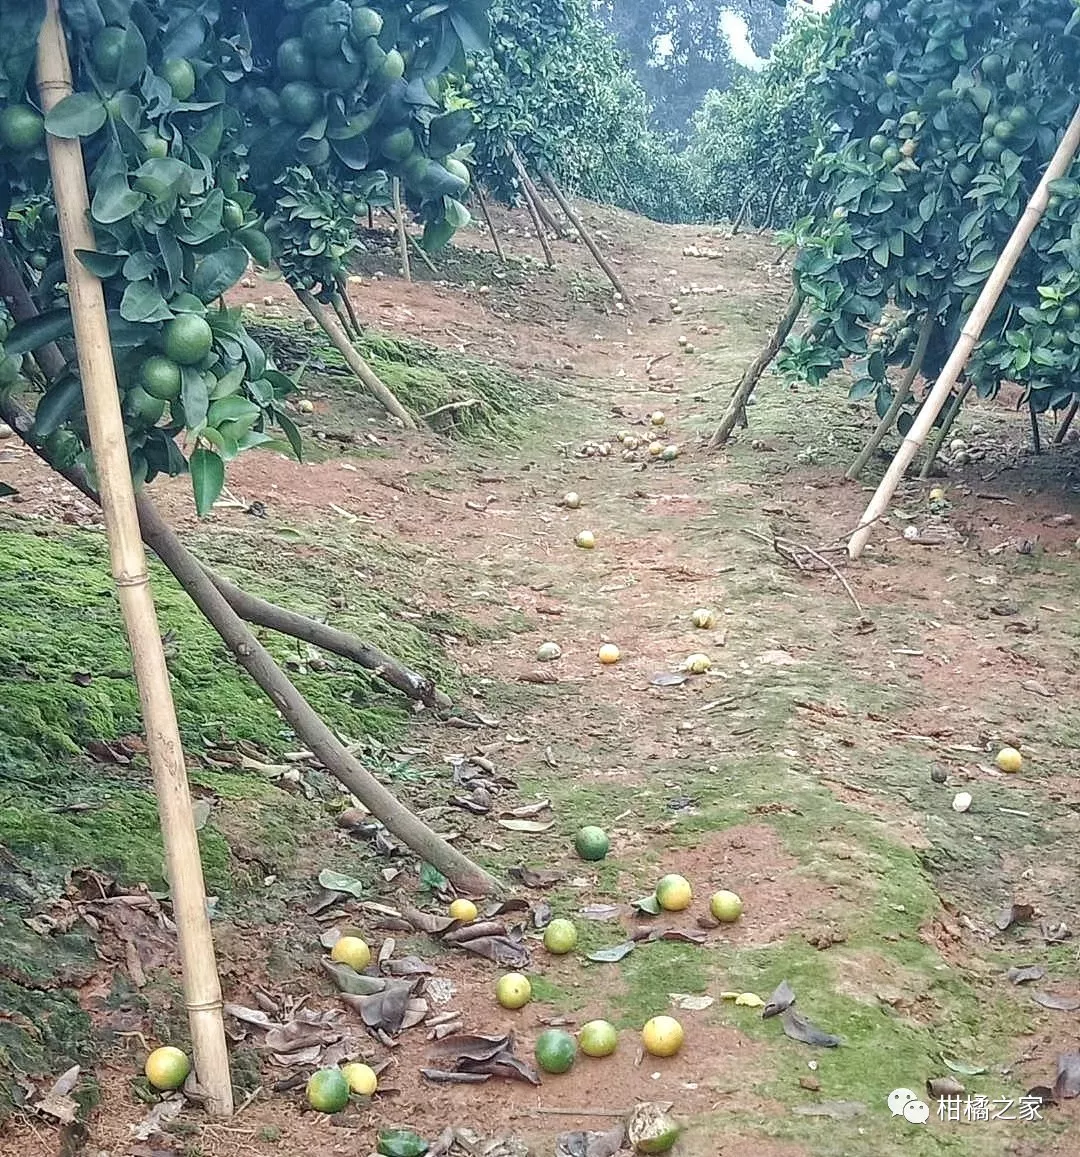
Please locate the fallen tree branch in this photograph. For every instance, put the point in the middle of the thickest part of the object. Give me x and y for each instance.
(790, 551)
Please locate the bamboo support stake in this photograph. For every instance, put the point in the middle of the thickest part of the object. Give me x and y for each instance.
(340, 340)
(403, 237)
(951, 414)
(482, 202)
(420, 252)
(538, 225)
(546, 215)
(973, 327)
(737, 405)
(903, 392)
(1036, 437)
(617, 173)
(202, 987)
(585, 235)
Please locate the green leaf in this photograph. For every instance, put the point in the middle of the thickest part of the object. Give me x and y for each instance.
(472, 26)
(57, 405)
(207, 478)
(400, 1143)
(1010, 162)
(142, 301)
(338, 882)
(880, 253)
(232, 408)
(18, 47)
(431, 879)
(79, 115)
(862, 389)
(224, 444)
(132, 57)
(219, 272)
(229, 384)
(613, 954)
(38, 331)
(457, 216)
(648, 904)
(291, 432)
(928, 207)
(101, 264)
(257, 244)
(115, 200)
(194, 396)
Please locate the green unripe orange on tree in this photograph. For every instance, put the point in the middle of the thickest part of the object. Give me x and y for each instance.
(301, 102)
(160, 377)
(21, 127)
(179, 75)
(187, 339)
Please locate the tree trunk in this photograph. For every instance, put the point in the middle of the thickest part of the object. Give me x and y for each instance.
(744, 208)
(1066, 422)
(490, 224)
(585, 235)
(901, 396)
(760, 364)
(943, 432)
(340, 341)
(1036, 437)
(772, 207)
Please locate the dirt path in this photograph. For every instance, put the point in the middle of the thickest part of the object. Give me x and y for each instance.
(797, 771)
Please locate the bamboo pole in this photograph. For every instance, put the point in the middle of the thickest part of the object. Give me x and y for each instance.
(538, 225)
(617, 173)
(418, 249)
(902, 394)
(482, 202)
(942, 433)
(585, 235)
(546, 215)
(1036, 437)
(760, 364)
(202, 987)
(973, 327)
(340, 340)
(403, 237)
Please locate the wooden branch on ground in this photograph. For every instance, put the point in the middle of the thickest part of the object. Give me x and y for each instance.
(490, 224)
(585, 235)
(340, 341)
(761, 363)
(791, 552)
(970, 334)
(399, 217)
(903, 392)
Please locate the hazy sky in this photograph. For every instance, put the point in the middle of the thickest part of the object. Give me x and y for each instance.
(737, 32)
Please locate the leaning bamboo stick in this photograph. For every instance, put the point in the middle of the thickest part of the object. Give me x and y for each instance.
(482, 202)
(403, 237)
(1066, 422)
(340, 341)
(202, 987)
(938, 440)
(972, 331)
(538, 224)
(585, 235)
(546, 215)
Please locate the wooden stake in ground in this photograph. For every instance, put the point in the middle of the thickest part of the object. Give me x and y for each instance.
(585, 235)
(621, 179)
(340, 341)
(202, 988)
(760, 364)
(1066, 422)
(490, 224)
(403, 237)
(972, 331)
(903, 392)
(419, 250)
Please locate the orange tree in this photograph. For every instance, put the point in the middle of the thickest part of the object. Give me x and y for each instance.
(943, 117)
(215, 135)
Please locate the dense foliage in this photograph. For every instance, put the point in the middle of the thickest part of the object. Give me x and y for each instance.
(943, 118)
(216, 134)
(753, 142)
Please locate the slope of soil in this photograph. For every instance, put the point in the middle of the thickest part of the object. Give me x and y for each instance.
(797, 770)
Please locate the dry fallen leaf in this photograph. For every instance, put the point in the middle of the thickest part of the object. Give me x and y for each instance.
(689, 1002)
(533, 827)
(783, 997)
(799, 1028)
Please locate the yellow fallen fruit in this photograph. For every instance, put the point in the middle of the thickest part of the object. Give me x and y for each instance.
(361, 1078)
(513, 990)
(167, 1068)
(749, 1000)
(674, 893)
(464, 910)
(585, 539)
(656, 449)
(697, 664)
(608, 653)
(937, 494)
(662, 1036)
(730, 995)
(571, 500)
(657, 418)
(703, 618)
(353, 951)
(1009, 759)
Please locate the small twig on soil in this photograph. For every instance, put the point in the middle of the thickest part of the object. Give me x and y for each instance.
(789, 550)
(653, 361)
(452, 407)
